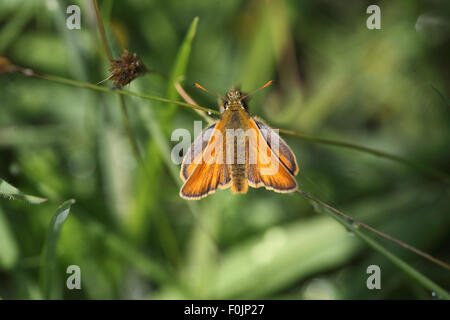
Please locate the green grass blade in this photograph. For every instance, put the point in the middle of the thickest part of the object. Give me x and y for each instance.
(442, 96)
(50, 286)
(87, 85)
(180, 67)
(8, 244)
(11, 192)
(11, 30)
(398, 262)
(127, 251)
(430, 171)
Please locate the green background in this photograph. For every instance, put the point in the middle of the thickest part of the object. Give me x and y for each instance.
(130, 232)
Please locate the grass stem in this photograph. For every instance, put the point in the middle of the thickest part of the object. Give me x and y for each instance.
(353, 225)
(126, 120)
(430, 172)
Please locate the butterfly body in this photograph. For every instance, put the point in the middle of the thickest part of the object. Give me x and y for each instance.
(237, 152)
(238, 119)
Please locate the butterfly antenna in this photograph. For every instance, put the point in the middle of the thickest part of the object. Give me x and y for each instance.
(204, 89)
(268, 83)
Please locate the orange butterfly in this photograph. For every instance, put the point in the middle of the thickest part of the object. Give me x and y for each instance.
(237, 151)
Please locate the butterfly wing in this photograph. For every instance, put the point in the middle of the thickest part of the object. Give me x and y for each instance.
(211, 172)
(194, 154)
(269, 171)
(284, 153)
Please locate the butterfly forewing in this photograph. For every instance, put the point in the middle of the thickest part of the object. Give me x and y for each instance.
(210, 172)
(238, 151)
(268, 171)
(284, 153)
(194, 154)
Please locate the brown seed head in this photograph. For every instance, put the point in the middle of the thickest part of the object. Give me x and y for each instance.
(127, 68)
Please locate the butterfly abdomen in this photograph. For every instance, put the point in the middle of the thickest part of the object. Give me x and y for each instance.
(239, 182)
(238, 179)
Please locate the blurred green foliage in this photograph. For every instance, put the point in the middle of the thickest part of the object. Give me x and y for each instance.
(130, 232)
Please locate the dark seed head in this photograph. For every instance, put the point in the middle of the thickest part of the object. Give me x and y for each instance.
(127, 68)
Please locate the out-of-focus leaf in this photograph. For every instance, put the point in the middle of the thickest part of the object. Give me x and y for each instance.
(8, 245)
(11, 192)
(9, 32)
(50, 286)
(180, 66)
(395, 259)
(297, 250)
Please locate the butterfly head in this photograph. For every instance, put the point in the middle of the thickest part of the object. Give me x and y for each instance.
(234, 100)
(234, 96)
